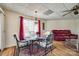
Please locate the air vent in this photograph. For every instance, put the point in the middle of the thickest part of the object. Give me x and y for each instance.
(48, 12)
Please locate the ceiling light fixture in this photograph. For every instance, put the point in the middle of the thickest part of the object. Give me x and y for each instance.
(36, 17)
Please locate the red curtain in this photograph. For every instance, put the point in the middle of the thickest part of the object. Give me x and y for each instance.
(39, 27)
(21, 31)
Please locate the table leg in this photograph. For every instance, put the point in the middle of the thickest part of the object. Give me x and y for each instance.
(32, 47)
(29, 48)
(77, 46)
(38, 46)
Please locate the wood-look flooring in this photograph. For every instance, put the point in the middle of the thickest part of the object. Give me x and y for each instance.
(8, 51)
(60, 50)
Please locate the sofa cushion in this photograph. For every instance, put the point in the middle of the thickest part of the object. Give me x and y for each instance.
(61, 31)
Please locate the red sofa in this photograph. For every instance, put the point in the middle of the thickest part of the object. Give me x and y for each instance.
(61, 35)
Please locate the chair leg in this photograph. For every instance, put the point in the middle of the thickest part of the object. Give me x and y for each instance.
(29, 50)
(38, 47)
(18, 51)
(29, 47)
(51, 49)
(45, 50)
(77, 47)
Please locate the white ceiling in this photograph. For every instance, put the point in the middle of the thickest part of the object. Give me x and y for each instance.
(30, 8)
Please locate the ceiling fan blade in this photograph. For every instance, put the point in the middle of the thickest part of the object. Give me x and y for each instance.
(67, 13)
(66, 10)
(76, 7)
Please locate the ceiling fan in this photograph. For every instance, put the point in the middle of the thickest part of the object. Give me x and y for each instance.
(74, 10)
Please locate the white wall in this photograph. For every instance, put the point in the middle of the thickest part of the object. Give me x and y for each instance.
(77, 26)
(12, 27)
(62, 24)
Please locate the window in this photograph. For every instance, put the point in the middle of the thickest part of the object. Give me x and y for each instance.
(30, 26)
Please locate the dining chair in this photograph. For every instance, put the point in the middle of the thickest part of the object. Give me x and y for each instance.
(47, 43)
(21, 44)
(72, 42)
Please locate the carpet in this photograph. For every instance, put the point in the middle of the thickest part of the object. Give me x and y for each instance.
(40, 52)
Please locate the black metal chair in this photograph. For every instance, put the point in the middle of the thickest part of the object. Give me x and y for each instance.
(20, 44)
(47, 43)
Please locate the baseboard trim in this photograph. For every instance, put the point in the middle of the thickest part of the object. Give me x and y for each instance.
(8, 47)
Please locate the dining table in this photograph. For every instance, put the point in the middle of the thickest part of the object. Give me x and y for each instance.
(32, 39)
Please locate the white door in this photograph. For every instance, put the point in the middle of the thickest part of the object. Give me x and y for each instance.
(2, 35)
(0, 32)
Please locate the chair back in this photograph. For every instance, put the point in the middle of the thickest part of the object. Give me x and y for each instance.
(49, 39)
(16, 40)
